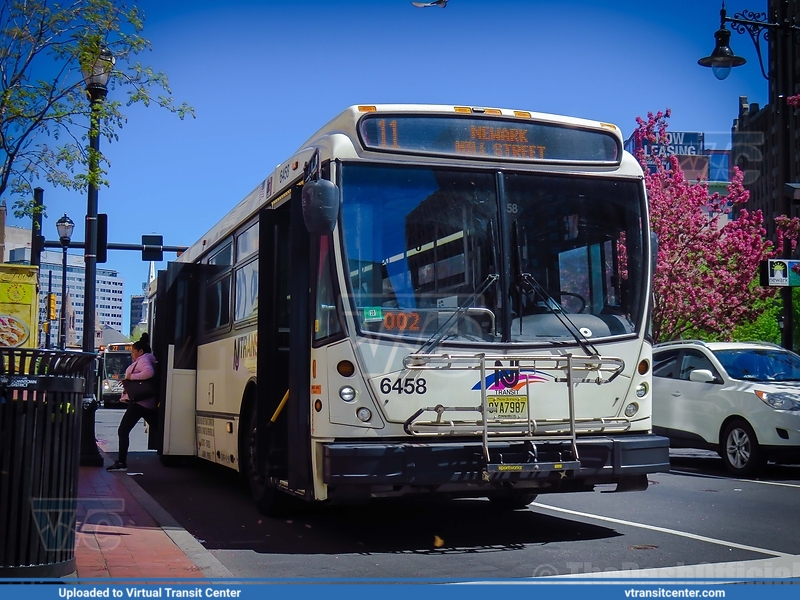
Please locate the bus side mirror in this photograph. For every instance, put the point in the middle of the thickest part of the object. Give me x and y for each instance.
(320, 206)
(320, 198)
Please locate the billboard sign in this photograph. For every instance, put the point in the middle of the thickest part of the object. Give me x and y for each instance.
(19, 306)
(678, 143)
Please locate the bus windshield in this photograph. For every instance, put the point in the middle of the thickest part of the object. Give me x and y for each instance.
(476, 256)
(115, 363)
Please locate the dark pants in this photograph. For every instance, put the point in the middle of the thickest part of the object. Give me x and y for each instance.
(129, 420)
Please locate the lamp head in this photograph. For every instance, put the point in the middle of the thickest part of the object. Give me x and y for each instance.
(65, 226)
(722, 59)
(96, 73)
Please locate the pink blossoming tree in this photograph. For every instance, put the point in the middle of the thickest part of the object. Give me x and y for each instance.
(706, 280)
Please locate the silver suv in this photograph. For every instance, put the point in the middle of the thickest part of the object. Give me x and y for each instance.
(741, 399)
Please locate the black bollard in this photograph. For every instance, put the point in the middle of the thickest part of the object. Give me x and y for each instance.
(90, 454)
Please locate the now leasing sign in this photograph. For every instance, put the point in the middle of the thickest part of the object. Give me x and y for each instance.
(780, 272)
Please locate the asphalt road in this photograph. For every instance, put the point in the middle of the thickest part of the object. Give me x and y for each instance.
(694, 521)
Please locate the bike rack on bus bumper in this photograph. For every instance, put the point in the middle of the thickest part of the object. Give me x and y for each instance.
(569, 369)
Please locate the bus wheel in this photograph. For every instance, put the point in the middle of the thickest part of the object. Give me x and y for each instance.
(269, 501)
(512, 501)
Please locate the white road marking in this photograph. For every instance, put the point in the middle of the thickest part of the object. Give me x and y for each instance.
(685, 534)
(779, 483)
(769, 568)
(744, 570)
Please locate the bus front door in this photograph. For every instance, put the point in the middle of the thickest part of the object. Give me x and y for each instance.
(284, 346)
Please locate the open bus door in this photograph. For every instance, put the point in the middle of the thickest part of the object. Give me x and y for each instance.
(283, 451)
(174, 338)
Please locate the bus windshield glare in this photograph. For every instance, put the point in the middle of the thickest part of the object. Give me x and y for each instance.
(481, 256)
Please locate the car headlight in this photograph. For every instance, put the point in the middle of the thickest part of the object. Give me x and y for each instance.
(779, 400)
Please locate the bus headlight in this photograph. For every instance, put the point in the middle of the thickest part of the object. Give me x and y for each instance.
(641, 390)
(364, 414)
(631, 409)
(347, 393)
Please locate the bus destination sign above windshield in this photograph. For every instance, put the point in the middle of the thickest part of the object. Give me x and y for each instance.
(489, 138)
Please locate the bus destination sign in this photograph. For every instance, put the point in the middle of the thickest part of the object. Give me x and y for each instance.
(491, 138)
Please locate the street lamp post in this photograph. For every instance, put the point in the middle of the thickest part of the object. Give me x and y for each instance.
(64, 226)
(96, 76)
(779, 28)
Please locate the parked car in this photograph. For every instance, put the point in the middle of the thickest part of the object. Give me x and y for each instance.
(741, 399)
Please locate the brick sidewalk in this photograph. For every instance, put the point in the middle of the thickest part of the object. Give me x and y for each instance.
(122, 532)
(118, 537)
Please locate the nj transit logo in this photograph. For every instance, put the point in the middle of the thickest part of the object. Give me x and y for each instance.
(501, 380)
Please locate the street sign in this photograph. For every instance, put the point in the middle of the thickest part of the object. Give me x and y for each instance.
(780, 272)
(152, 248)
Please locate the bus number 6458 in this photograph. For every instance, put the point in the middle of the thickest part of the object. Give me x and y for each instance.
(407, 386)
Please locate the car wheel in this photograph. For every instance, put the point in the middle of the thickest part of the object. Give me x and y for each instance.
(740, 450)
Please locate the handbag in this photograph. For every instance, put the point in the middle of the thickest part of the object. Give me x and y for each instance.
(139, 389)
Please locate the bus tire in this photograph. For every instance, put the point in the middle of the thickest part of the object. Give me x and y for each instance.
(511, 501)
(270, 501)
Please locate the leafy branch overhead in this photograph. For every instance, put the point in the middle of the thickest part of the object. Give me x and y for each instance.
(44, 108)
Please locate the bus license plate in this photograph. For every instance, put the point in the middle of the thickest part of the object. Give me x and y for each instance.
(508, 407)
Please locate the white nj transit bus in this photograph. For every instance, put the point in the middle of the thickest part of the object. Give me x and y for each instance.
(423, 299)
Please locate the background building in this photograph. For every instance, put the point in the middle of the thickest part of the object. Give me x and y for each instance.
(756, 133)
(110, 299)
(755, 152)
(137, 314)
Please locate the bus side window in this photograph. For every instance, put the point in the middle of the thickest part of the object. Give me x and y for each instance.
(218, 293)
(218, 303)
(326, 321)
(246, 301)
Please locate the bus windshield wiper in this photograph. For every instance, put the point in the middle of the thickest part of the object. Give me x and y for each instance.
(556, 309)
(549, 301)
(437, 337)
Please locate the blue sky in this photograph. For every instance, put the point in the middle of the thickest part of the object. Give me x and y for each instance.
(265, 75)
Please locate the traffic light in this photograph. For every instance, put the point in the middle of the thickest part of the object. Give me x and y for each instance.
(37, 245)
(51, 307)
(37, 239)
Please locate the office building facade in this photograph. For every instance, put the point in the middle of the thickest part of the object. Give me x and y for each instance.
(758, 136)
(110, 298)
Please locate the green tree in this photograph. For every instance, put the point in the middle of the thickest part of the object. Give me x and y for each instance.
(765, 328)
(138, 331)
(44, 109)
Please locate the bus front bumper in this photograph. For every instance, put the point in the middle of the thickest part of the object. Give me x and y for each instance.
(384, 467)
